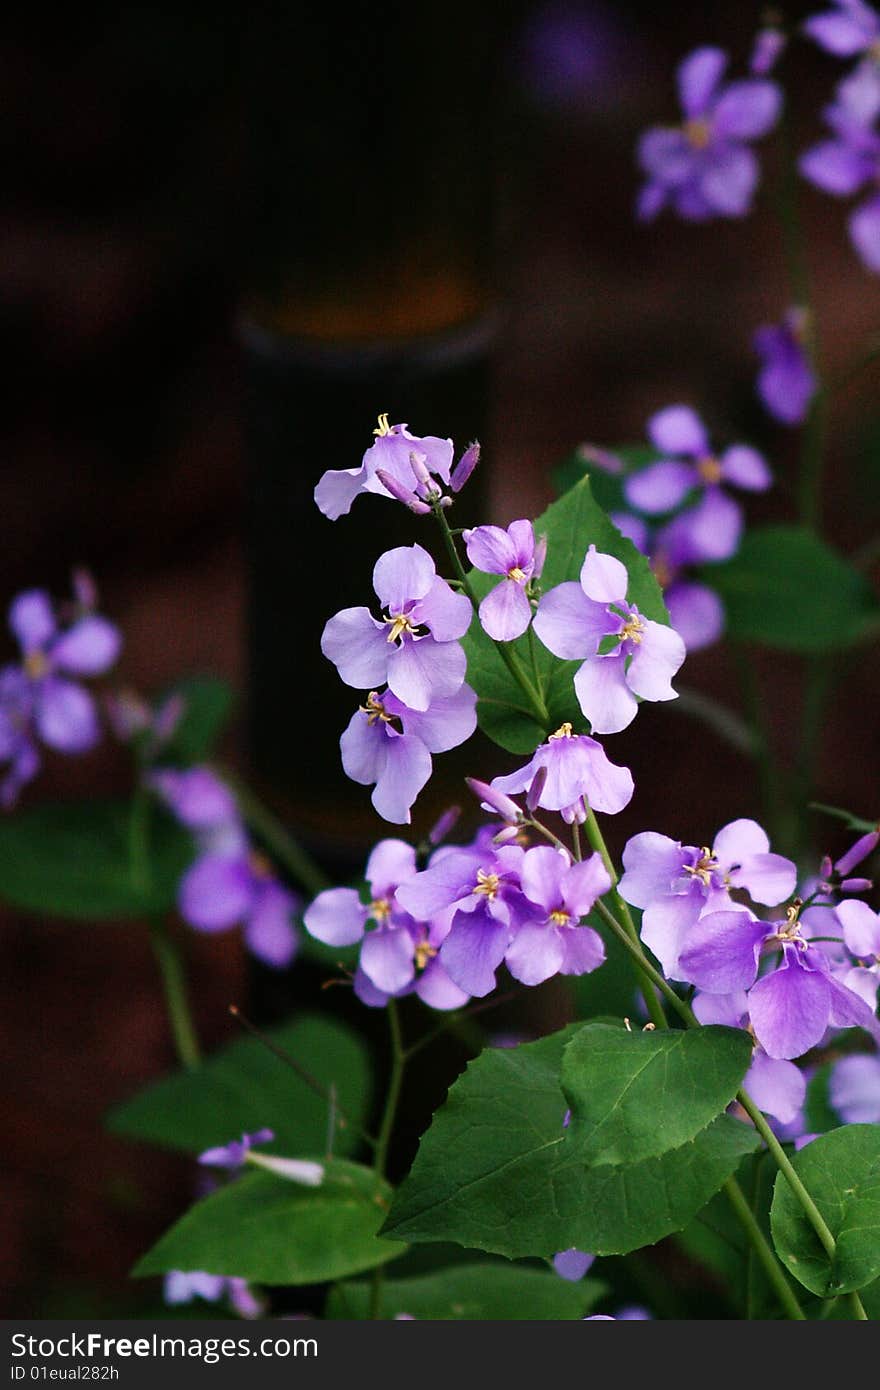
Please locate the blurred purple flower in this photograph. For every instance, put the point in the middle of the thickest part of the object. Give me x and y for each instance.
(234, 1154)
(849, 28)
(786, 381)
(843, 165)
(705, 168)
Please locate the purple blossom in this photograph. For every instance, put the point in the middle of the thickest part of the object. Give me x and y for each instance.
(689, 462)
(553, 941)
(576, 621)
(399, 956)
(577, 774)
(695, 611)
(843, 165)
(676, 884)
(505, 612)
(196, 796)
(854, 1089)
(848, 29)
(37, 698)
(390, 745)
(390, 451)
(705, 168)
(234, 1154)
(182, 1286)
(414, 647)
(572, 1264)
(786, 382)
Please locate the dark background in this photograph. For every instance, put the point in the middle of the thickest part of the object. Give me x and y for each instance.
(167, 178)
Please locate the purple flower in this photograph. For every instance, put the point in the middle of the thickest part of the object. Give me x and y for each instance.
(389, 744)
(577, 774)
(676, 884)
(854, 1089)
(679, 434)
(776, 1086)
(196, 796)
(234, 1154)
(576, 621)
(399, 956)
(390, 451)
(786, 381)
(414, 647)
(843, 165)
(553, 941)
(695, 611)
(572, 1264)
(37, 700)
(848, 29)
(704, 168)
(182, 1286)
(505, 612)
(237, 885)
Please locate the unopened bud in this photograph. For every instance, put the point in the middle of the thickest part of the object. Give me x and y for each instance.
(420, 470)
(403, 494)
(825, 868)
(539, 782)
(493, 800)
(167, 718)
(540, 556)
(85, 590)
(864, 846)
(441, 827)
(510, 832)
(465, 467)
(601, 458)
(857, 885)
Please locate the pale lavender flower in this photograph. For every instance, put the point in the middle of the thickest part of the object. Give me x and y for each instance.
(577, 774)
(390, 745)
(38, 700)
(552, 941)
(845, 164)
(695, 611)
(848, 29)
(390, 451)
(854, 1089)
(576, 621)
(786, 382)
(705, 168)
(505, 612)
(414, 647)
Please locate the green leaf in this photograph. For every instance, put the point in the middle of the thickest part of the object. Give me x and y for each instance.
(483, 1292)
(571, 525)
(841, 1172)
(786, 588)
(245, 1087)
(73, 860)
(497, 1170)
(266, 1229)
(637, 1095)
(207, 706)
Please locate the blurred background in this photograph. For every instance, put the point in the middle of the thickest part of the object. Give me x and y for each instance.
(228, 244)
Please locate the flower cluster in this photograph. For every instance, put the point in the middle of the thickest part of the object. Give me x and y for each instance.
(41, 698)
(770, 971)
(398, 464)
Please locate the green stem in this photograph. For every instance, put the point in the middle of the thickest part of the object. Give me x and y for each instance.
(268, 828)
(783, 1163)
(628, 926)
(646, 970)
(139, 839)
(392, 1096)
(858, 1307)
(509, 657)
(761, 1247)
(176, 1002)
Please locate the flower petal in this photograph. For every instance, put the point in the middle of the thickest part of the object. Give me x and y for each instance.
(678, 430)
(729, 181)
(89, 648)
(336, 917)
(777, 1087)
(604, 695)
(505, 612)
(446, 613)
(473, 951)
(721, 952)
(698, 76)
(421, 670)
(696, 612)
(402, 574)
(215, 892)
(746, 110)
(387, 958)
(655, 661)
(789, 1009)
(535, 954)
(570, 625)
(269, 933)
(603, 577)
(660, 487)
(407, 769)
(32, 620)
(65, 716)
(358, 647)
(744, 467)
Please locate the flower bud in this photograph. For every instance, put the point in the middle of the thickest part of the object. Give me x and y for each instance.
(533, 795)
(465, 467)
(441, 827)
(864, 846)
(494, 800)
(857, 885)
(403, 494)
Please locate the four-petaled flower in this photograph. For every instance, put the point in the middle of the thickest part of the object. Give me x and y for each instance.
(506, 612)
(624, 654)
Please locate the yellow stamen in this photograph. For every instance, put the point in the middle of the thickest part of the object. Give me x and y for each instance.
(424, 953)
(704, 867)
(564, 731)
(559, 918)
(633, 630)
(35, 665)
(698, 133)
(380, 909)
(374, 709)
(383, 427)
(399, 625)
(709, 469)
(487, 884)
(517, 575)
